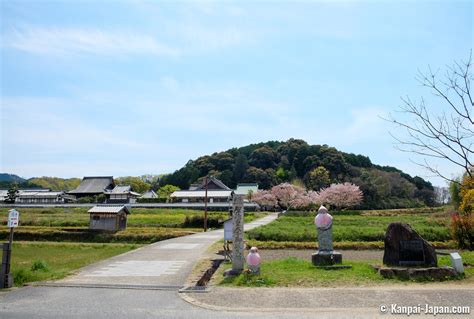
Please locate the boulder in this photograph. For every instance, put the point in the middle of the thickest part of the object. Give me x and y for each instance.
(401, 234)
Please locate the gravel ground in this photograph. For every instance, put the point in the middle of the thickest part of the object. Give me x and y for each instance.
(356, 255)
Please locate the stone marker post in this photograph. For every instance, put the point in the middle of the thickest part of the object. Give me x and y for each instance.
(238, 258)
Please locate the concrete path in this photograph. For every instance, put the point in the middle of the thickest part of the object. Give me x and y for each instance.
(162, 265)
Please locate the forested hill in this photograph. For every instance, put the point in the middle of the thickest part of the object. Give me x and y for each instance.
(316, 166)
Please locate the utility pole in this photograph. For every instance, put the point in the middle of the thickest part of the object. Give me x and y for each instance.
(205, 205)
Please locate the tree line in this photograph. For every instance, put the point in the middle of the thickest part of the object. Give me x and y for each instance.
(310, 166)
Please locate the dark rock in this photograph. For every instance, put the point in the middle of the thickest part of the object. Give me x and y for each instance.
(323, 258)
(386, 272)
(397, 232)
(430, 273)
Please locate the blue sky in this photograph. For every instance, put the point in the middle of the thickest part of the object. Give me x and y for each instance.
(138, 87)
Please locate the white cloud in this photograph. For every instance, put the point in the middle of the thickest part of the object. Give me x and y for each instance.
(83, 41)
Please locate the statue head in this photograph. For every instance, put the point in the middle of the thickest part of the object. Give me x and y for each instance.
(322, 210)
(323, 219)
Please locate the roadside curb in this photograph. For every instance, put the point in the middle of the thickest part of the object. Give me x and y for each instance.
(251, 308)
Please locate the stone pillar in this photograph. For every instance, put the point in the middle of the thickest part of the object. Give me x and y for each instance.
(238, 234)
(325, 239)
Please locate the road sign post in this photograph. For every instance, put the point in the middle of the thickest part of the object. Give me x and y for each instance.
(6, 278)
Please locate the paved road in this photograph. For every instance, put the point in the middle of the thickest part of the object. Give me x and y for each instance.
(165, 264)
(153, 274)
(63, 302)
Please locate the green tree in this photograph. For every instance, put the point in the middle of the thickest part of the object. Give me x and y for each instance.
(264, 178)
(240, 167)
(318, 178)
(56, 183)
(263, 157)
(281, 175)
(455, 192)
(12, 194)
(138, 185)
(166, 191)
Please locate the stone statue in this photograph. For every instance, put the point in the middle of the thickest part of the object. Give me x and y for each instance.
(323, 222)
(325, 255)
(253, 261)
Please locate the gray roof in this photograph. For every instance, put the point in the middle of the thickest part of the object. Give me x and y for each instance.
(94, 185)
(108, 209)
(40, 194)
(214, 180)
(202, 194)
(149, 194)
(121, 189)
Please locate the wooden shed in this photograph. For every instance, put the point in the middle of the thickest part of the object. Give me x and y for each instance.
(108, 217)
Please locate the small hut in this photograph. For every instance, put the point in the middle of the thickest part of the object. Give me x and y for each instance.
(108, 217)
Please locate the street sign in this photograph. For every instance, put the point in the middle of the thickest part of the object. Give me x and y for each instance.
(13, 218)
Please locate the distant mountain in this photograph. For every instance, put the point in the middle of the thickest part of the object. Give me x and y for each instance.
(5, 177)
(315, 166)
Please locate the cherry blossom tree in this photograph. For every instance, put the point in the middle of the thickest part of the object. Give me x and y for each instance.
(341, 195)
(265, 199)
(288, 196)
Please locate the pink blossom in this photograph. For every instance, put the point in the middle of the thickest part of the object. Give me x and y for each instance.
(265, 198)
(341, 195)
(289, 196)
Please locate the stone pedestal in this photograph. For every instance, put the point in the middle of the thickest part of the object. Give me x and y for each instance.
(326, 258)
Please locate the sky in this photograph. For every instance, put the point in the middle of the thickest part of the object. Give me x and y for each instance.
(140, 87)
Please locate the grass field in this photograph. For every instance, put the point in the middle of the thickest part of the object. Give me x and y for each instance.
(143, 226)
(354, 226)
(294, 272)
(140, 217)
(39, 261)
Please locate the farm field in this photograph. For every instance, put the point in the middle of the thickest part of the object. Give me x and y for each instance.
(352, 229)
(143, 225)
(39, 261)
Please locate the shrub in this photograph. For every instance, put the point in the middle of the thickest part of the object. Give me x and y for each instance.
(21, 276)
(197, 221)
(39, 265)
(462, 230)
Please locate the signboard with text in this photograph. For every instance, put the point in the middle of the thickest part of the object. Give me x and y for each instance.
(13, 218)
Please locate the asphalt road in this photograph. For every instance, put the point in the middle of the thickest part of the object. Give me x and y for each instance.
(139, 284)
(62, 302)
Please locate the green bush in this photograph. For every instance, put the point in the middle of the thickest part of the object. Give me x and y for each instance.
(21, 276)
(39, 265)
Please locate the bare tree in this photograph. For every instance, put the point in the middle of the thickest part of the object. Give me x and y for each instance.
(447, 135)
